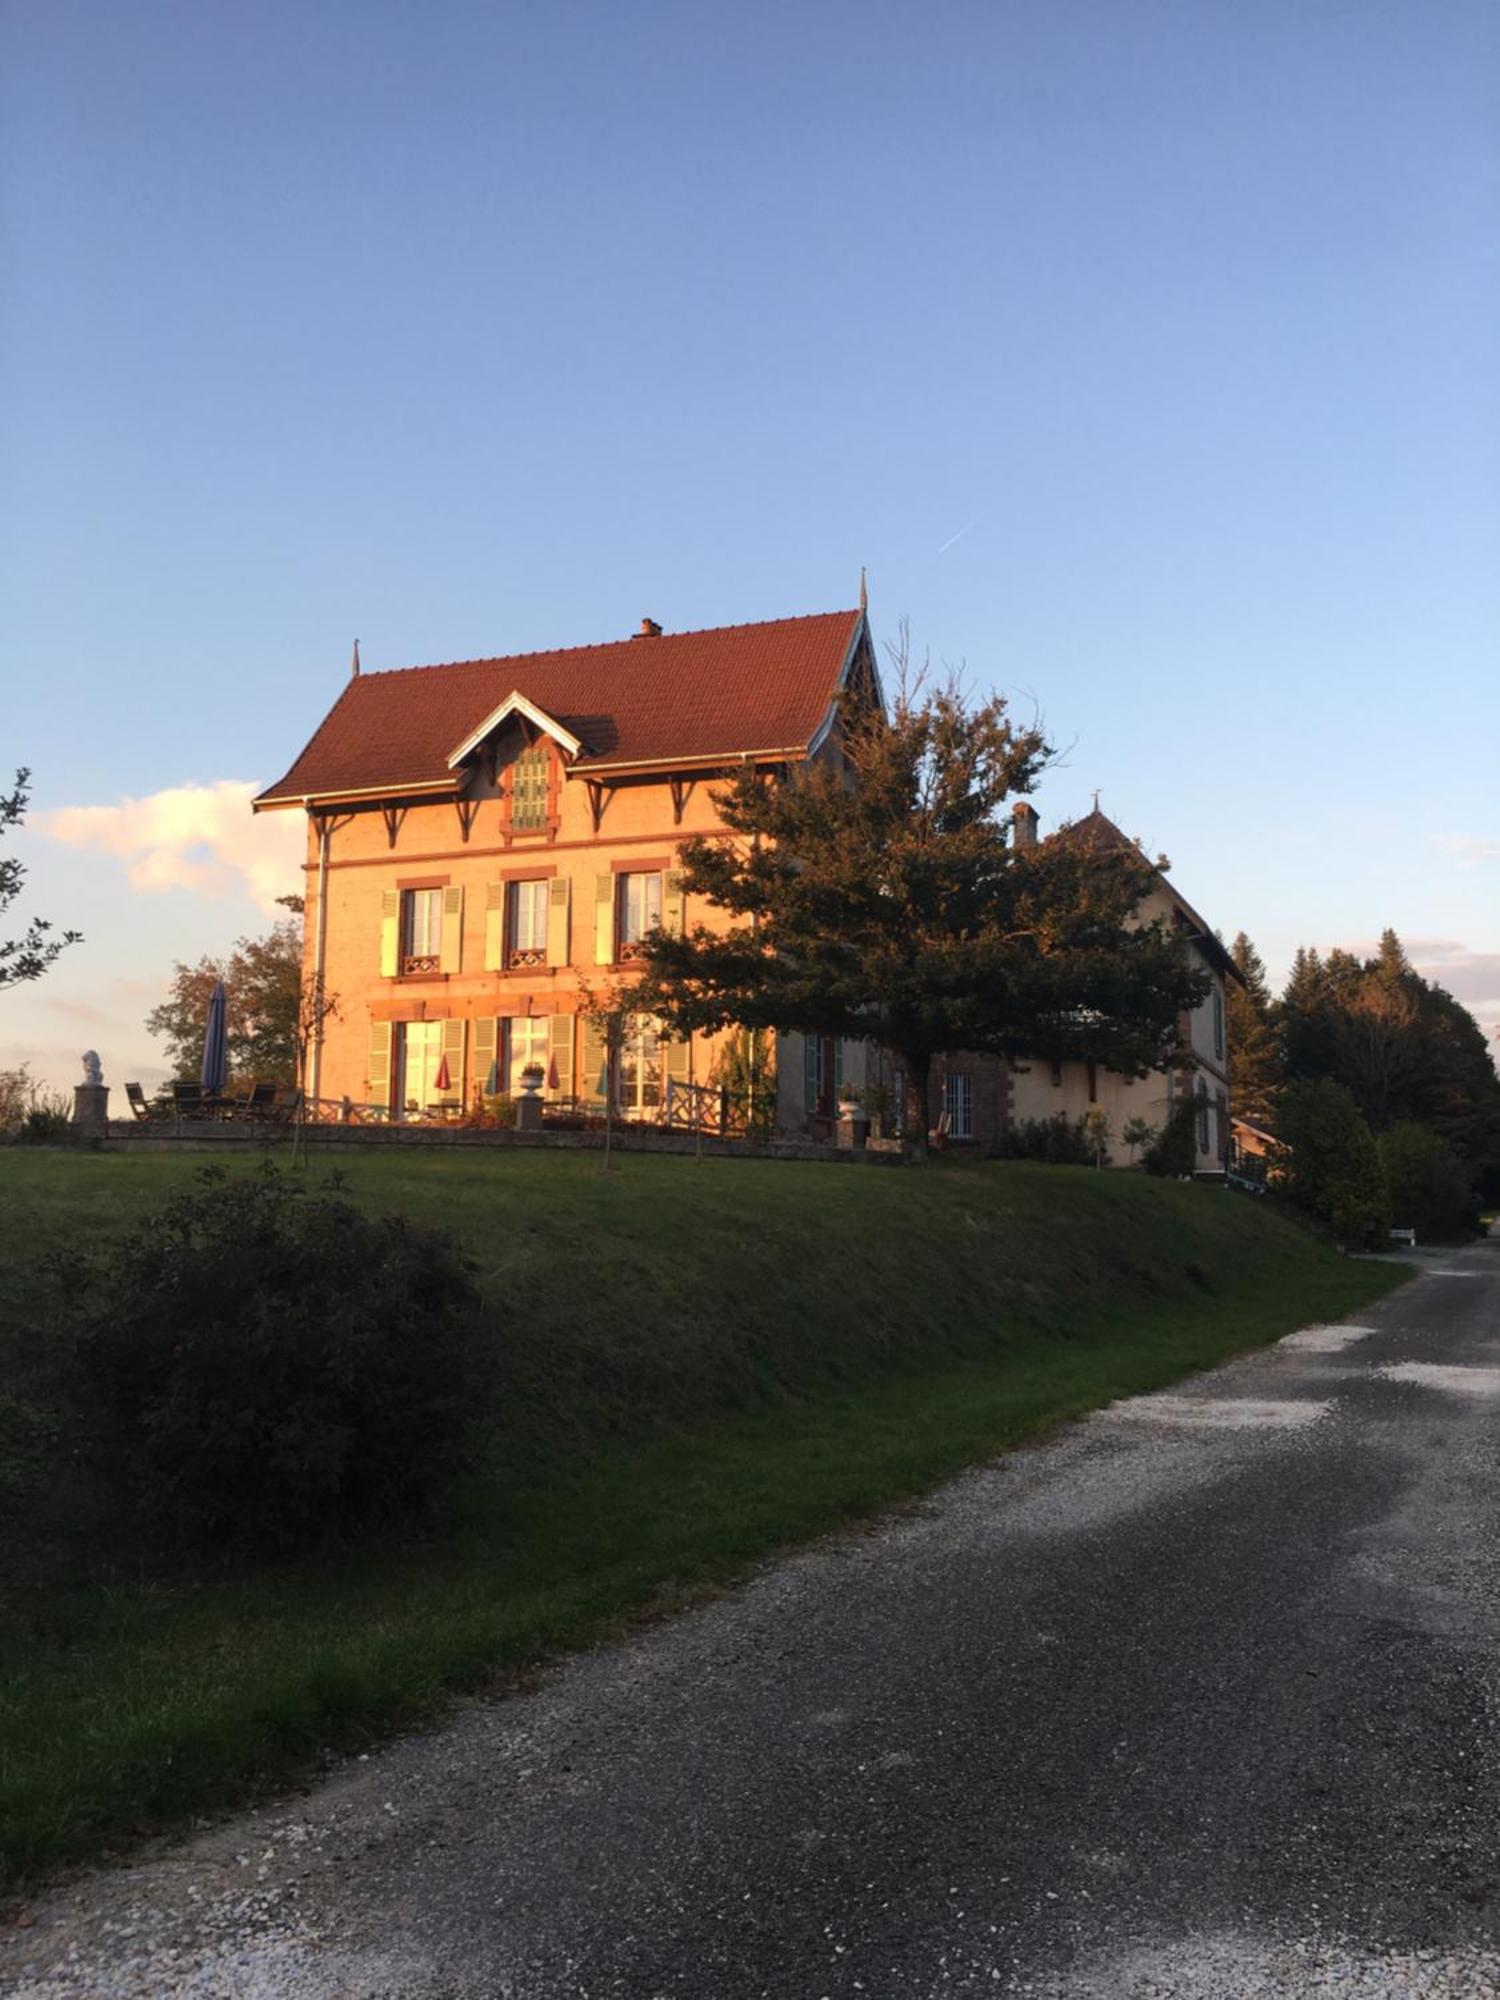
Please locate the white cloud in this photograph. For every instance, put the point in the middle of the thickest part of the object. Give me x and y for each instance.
(1471, 849)
(203, 838)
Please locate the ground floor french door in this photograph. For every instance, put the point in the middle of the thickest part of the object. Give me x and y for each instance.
(419, 1057)
(640, 1071)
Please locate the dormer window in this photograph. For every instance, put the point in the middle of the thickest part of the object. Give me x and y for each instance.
(528, 798)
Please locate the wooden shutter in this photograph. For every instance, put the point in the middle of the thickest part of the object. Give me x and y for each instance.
(838, 1065)
(484, 1053)
(604, 920)
(809, 1074)
(494, 926)
(452, 949)
(559, 907)
(453, 1055)
(390, 933)
(378, 1083)
(591, 1083)
(560, 1054)
(679, 1060)
(673, 903)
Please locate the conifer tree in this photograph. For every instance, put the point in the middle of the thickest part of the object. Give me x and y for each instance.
(878, 896)
(1255, 1071)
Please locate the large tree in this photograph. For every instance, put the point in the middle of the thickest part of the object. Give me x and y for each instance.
(878, 896)
(29, 955)
(262, 986)
(1255, 1071)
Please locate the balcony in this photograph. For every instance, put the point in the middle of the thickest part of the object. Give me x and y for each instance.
(522, 955)
(419, 961)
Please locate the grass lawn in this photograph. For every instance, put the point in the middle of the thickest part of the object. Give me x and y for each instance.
(700, 1361)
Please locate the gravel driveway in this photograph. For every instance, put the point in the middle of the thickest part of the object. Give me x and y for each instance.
(1197, 1699)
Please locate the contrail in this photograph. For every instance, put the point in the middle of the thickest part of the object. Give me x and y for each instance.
(964, 530)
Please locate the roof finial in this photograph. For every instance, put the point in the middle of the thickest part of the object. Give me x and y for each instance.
(1096, 802)
(864, 594)
(354, 664)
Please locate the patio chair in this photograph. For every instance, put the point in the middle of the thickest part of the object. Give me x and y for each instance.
(187, 1100)
(137, 1100)
(937, 1138)
(284, 1105)
(258, 1103)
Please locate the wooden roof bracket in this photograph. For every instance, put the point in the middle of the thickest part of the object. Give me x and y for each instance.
(682, 790)
(468, 812)
(595, 788)
(393, 817)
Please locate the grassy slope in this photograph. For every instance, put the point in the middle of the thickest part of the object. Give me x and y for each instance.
(701, 1362)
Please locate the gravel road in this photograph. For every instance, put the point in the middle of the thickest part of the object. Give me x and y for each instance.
(1197, 1699)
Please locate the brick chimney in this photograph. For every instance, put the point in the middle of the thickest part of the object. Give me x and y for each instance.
(1023, 824)
(649, 630)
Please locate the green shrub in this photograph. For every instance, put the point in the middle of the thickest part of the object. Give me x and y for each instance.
(1173, 1153)
(1331, 1166)
(271, 1367)
(1429, 1185)
(1059, 1141)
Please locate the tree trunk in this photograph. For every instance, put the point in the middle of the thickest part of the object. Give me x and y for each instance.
(914, 1112)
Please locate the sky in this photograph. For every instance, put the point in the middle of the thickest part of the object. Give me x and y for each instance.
(1143, 350)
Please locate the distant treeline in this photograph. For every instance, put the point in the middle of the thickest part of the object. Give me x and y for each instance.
(1404, 1049)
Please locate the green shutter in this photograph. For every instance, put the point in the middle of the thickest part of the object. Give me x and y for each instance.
(484, 1052)
(390, 933)
(453, 1055)
(559, 909)
(673, 904)
(604, 920)
(809, 1074)
(560, 1055)
(378, 1083)
(591, 1083)
(451, 954)
(494, 926)
(528, 797)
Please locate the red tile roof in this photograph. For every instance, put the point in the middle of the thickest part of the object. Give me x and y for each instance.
(682, 696)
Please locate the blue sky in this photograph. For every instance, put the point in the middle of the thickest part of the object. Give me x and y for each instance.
(1145, 353)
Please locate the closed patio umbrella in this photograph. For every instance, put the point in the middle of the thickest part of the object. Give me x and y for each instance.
(443, 1080)
(216, 1040)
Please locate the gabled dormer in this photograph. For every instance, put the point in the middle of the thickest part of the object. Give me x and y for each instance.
(521, 755)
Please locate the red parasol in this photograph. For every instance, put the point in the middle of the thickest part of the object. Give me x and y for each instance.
(444, 1081)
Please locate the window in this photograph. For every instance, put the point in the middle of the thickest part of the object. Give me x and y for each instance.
(526, 923)
(640, 1066)
(1218, 1024)
(528, 789)
(421, 929)
(639, 912)
(958, 1102)
(420, 1057)
(527, 1041)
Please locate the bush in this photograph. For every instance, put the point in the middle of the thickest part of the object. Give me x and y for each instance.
(1429, 1185)
(1331, 1166)
(1173, 1153)
(1058, 1142)
(272, 1367)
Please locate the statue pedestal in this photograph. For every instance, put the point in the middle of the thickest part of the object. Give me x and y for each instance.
(528, 1113)
(91, 1106)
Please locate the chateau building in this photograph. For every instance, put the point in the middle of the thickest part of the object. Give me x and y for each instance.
(489, 841)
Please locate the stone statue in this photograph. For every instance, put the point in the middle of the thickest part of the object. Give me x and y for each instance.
(93, 1070)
